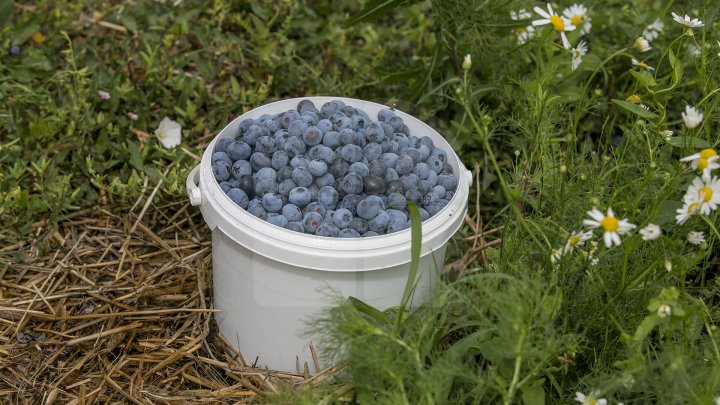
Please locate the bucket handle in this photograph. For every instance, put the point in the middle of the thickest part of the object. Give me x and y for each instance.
(193, 189)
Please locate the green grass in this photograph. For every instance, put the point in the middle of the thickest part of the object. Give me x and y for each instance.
(551, 142)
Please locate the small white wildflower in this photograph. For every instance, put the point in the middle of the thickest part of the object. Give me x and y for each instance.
(594, 261)
(692, 116)
(668, 265)
(590, 399)
(556, 255)
(522, 35)
(642, 65)
(612, 226)
(706, 160)
(652, 31)
(521, 14)
(578, 16)
(169, 133)
(577, 238)
(559, 24)
(642, 44)
(467, 62)
(696, 238)
(695, 51)
(577, 53)
(691, 203)
(687, 22)
(644, 106)
(664, 310)
(705, 191)
(650, 232)
(667, 134)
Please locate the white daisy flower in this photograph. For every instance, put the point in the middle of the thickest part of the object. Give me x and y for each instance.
(521, 14)
(590, 399)
(652, 31)
(577, 238)
(650, 232)
(169, 133)
(559, 24)
(705, 161)
(667, 134)
(642, 44)
(594, 261)
(467, 62)
(687, 22)
(689, 208)
(692, 116)
(696, 238)
(522, 35)
(577, 53)
(612, 226)
(577, 14)
(664, 310)
(706, 191)
(642, 65)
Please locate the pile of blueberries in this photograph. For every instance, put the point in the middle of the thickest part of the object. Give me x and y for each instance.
(334, 171)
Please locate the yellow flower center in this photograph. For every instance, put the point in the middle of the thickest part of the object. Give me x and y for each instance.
(576, 20)
(634, 98)
(707, 153)
(692, 207)
(557, 23)
(610, 224)
(702, 163)
(574, 240)
(707, 192)
(643, 65)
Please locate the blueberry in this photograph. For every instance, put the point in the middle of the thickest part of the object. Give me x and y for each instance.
(309, 118)
(267, 173)
(297, 128)
(379, 222)
(222, 145)
(360, 122)
(221, 170)
(388, 129)
(277, 220)
(352, 183)
(424, 215)
(253, 134)
(404, 164)
(391, 175)
(424, 187)
(239, 150)
(328, 197)
(348, 233)
(432, 178)
(14, 50)
(315, 206)
(296, 226)
(435, 207)
(342, 123)
(302, 176)
(429, 199)
(396, 214)
(306, 105)
(286, 186)
(347, 136)
(300, 196)
(326, 179)
(255, 208)
(281, 137)
(387, 146)
(374, 184)
(350, 202)
(272, 202)
(300, 161)
(396, 225)
(325, 126)
(292, 212)
(405, 129)
(339, 168)
(311, 221)
(397, 201)
(369, 207)
(317, 167)
(246, 184)
(273, 124)
(395, 186)
(339, 104)
(360, 139)
(410, 181)
(327, 109)
(342, 218)
(244, 125)
(264, 186)
(313, 192)
(372, 151)
(359, 224)
(439, 190)
(402, 140)
(266, 145)
(312, 136)
(369, 234)
(377, 168)
(446, 168)
(241, 168)
(449, 195)
(259, 160)
(359, 168)
(390, 159)
(385, 114)
(375, 132)
(285, 173)
(414, 196)
(438, 153)
(449, 181)
(412, 152)
(323, 153)
(422, 170)
(331, 139)
(348, 111)
(220, 156)
(328, 217)
(328, 230)
(352, 153)
(279, 159)
(435, 164)
(226, 185)
(396, 123)
(289, 117)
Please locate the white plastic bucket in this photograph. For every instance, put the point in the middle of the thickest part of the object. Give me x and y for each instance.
(268, 281)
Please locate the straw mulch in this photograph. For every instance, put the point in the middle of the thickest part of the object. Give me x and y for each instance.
(113, 309)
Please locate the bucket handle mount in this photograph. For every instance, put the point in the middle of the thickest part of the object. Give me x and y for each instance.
(193, 189)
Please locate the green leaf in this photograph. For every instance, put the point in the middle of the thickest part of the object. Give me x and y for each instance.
(645, 327)
(368, 310)
(6, 7)
(533, 393)
(677, 67)
(688, 142)
(644, 77)
(374, 9)
(667, 211)
(135, 159)
(415, 245)
(634, 108)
